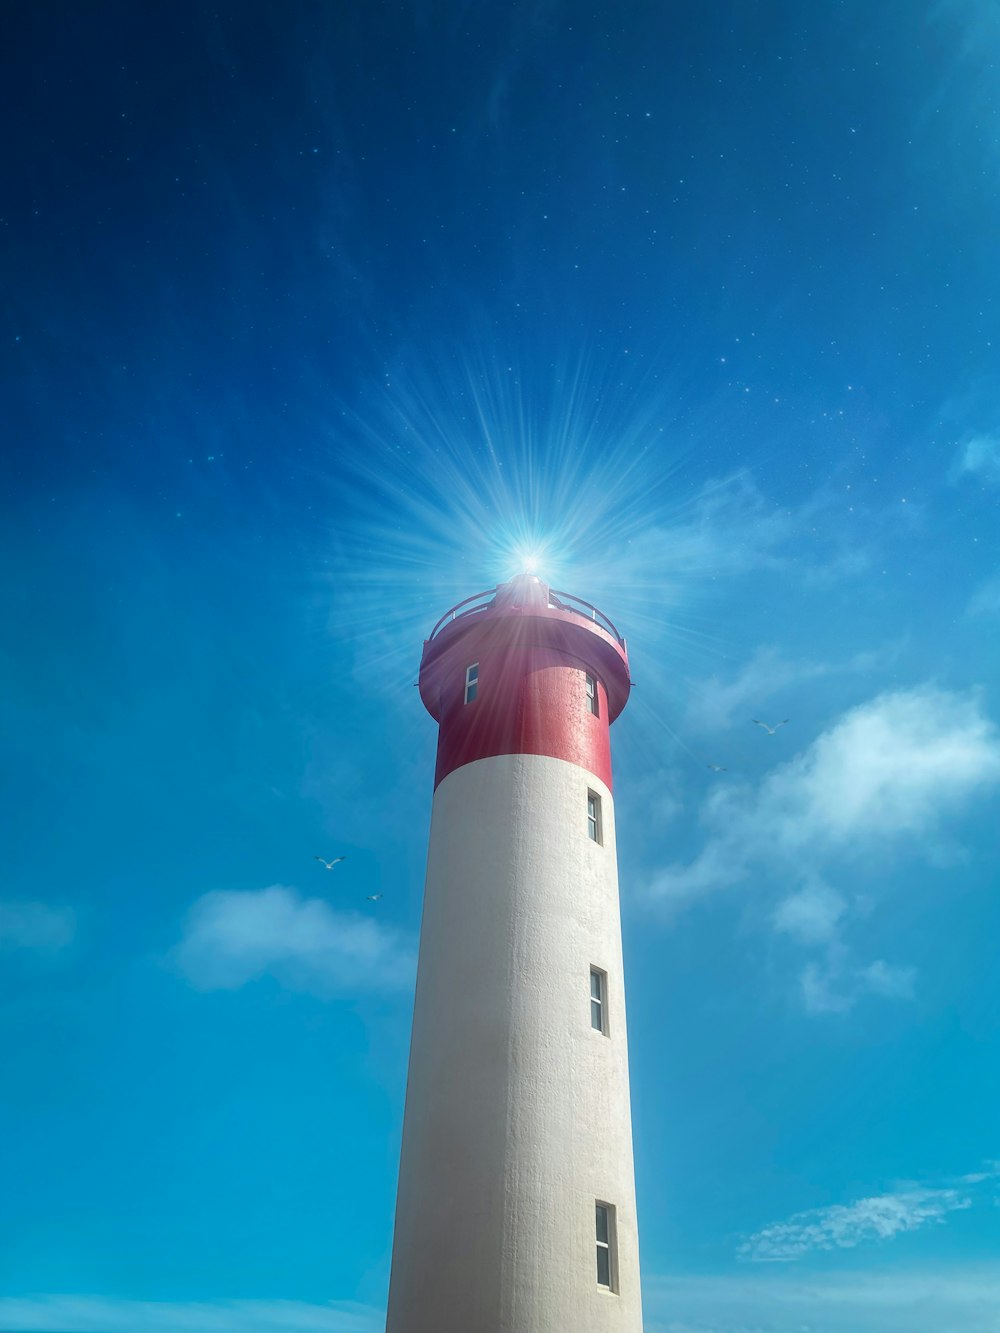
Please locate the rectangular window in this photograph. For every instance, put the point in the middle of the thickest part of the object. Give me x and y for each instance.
(606, 1265)
(593, 701)
(598, 1000)
(594, 816)
(471, 682)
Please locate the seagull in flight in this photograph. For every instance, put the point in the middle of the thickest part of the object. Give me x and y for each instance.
(373, 897)
(329, 864)
(770, 730)
(717, 768)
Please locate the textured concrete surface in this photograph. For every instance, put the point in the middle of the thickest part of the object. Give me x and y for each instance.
(517, 1111)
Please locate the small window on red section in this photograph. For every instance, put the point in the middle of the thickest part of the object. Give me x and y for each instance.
(471, 682)
(593, 698)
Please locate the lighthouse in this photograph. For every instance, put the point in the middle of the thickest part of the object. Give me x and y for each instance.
(516, 1204)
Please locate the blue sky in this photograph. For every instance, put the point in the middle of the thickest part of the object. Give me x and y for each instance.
(316, 321)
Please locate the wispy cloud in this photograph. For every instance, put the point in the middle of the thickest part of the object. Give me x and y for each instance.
(773, 1299)
(866, 1221)
(892, 767)
(887, 772)
(232, 937)
(834, 984)
(762, 1298)
(811, 914)
(980, 457)
(732, 528)
(884, 979)
(36, 926)
(715, 702)
(985, 601)
(94, 1314)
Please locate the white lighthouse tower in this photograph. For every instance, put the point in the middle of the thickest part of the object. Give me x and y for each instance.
(516, 1204)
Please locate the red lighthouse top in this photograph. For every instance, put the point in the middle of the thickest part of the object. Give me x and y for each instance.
(524, 670)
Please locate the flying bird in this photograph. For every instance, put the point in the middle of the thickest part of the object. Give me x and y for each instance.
(329, 864)
(717, 768)
(373, 897)
(770, 730)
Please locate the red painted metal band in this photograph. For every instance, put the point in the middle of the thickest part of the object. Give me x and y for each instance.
(531, 694)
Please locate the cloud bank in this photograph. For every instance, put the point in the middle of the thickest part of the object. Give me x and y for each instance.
(769, 1299)
(883, 779)
(94, 1314)
(231, 938)
(932, 1299)
(891, 768)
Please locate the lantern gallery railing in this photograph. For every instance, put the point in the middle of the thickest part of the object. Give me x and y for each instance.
(565, 601)
(558, 601)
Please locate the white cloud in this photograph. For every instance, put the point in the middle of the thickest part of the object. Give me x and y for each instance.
(714, 702)
(985, 601)
(811, 914)
(844, 1226)
(890, 768)
(34, 925)
(733, 528)
(886, 773)
(981, 456)
(822, 992)
(231, 938)
(771, 1299)
(884, 979)
(728, 529)
(759, 1299)
(94, 1314)
(834, 986)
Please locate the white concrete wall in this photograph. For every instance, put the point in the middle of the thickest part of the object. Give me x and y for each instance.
(517, 1110)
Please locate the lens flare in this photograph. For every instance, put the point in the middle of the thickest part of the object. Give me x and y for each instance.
(452, 474)
(529, 561)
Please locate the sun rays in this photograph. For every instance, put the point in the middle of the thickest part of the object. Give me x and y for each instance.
(462, 474)
(453, 474)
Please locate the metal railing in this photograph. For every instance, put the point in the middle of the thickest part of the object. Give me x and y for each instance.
(587, 609)
(559, 601)
(485, 600)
